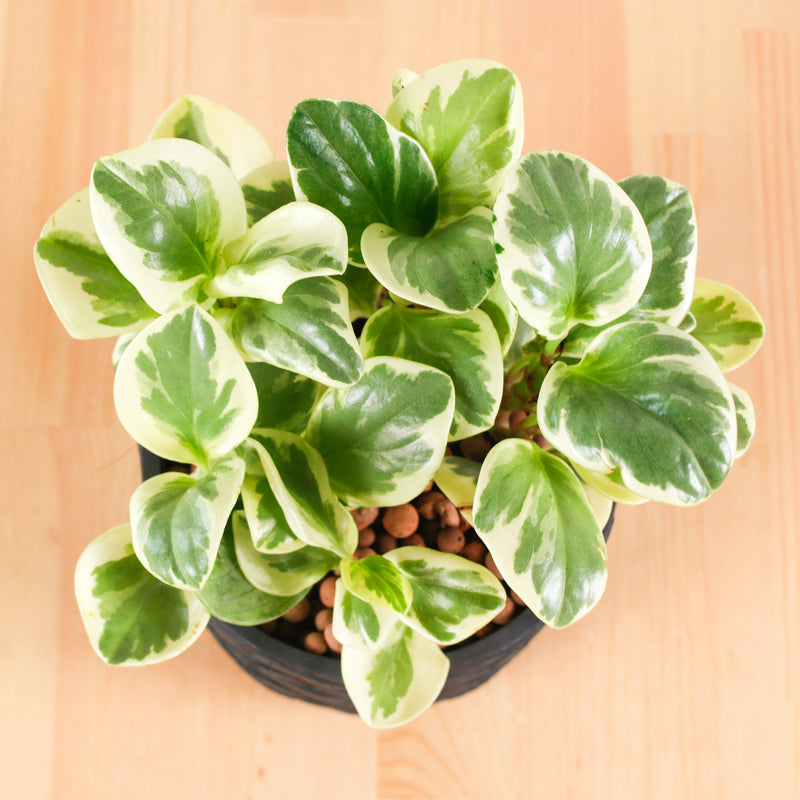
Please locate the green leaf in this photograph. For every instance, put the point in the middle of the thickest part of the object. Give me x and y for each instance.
(345, 157)
(745, 418)
(452, 597)
(268, 526)
(395, 683)
(229, 596)
(178, 521)
(573, 247)
(465, 347)
(285, 399)
(646, 399)
(452, 269)
(383, 437)
(266, 189)
(131, 617)
(358, 623)
(309, 332)
(533, 515)
(222, 131)
(183, 391)
(378, 582)
(299, 240)
(299, 479)
(727, 323)
(163, 212)
(457, 479)
(668, 212)
(467, 115)
(282, 574)
(503, 315)
(89, 294)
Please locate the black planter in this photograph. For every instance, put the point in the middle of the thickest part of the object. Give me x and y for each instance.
(317, 679)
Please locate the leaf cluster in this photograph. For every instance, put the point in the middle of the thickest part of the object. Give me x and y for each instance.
(338, 329)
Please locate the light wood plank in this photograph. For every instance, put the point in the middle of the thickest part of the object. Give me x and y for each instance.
(685, 682)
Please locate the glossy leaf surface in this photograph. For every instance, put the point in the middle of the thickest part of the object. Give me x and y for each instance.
(229, 596)
(90, 295)
(383, 437)
(452, 269)
(396, 682)
(572, 246)
(451, 597)
(217, 128)
(467, 115)
(299, 240)
(533, 515)
(178, 521)
(308, 332)
(183, 391)
(163, 212)
(266, 189)
(465, 347)
(726, 322)
(648, 400)
(345, 157)
(282, 574)
(668, 212)
(132, 618)
(297, 475)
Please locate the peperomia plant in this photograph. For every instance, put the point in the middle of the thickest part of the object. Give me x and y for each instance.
(529, 305)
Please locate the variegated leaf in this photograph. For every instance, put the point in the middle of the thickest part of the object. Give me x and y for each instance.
(357, 623)
(452, 269)
(452, 597)
(267, 522)
(572, 246)
(182, 391)
(745, 418)
(668, 211)
(178, 520)
(457, 478)
(465, 347)
(90, 295)
(468, 117)
(401, 79)
(222, 131)
(646, 399)
(163, 211)
(383, 437)
(282, 574)
(266, 189)
(309, 332)
(132, 618)
(229, 596)
(285, 399)
(348, 159)
(299, 240)
(299, 479)
(532, 514)
(395, 683)
(377, 581)
(503, 315)
(609, 484)
(726, 323)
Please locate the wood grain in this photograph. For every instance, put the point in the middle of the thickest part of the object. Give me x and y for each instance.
(684, 683)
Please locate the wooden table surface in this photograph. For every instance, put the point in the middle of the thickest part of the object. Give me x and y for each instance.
(683, 683)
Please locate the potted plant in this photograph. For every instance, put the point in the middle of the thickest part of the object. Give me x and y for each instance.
(406, 298)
